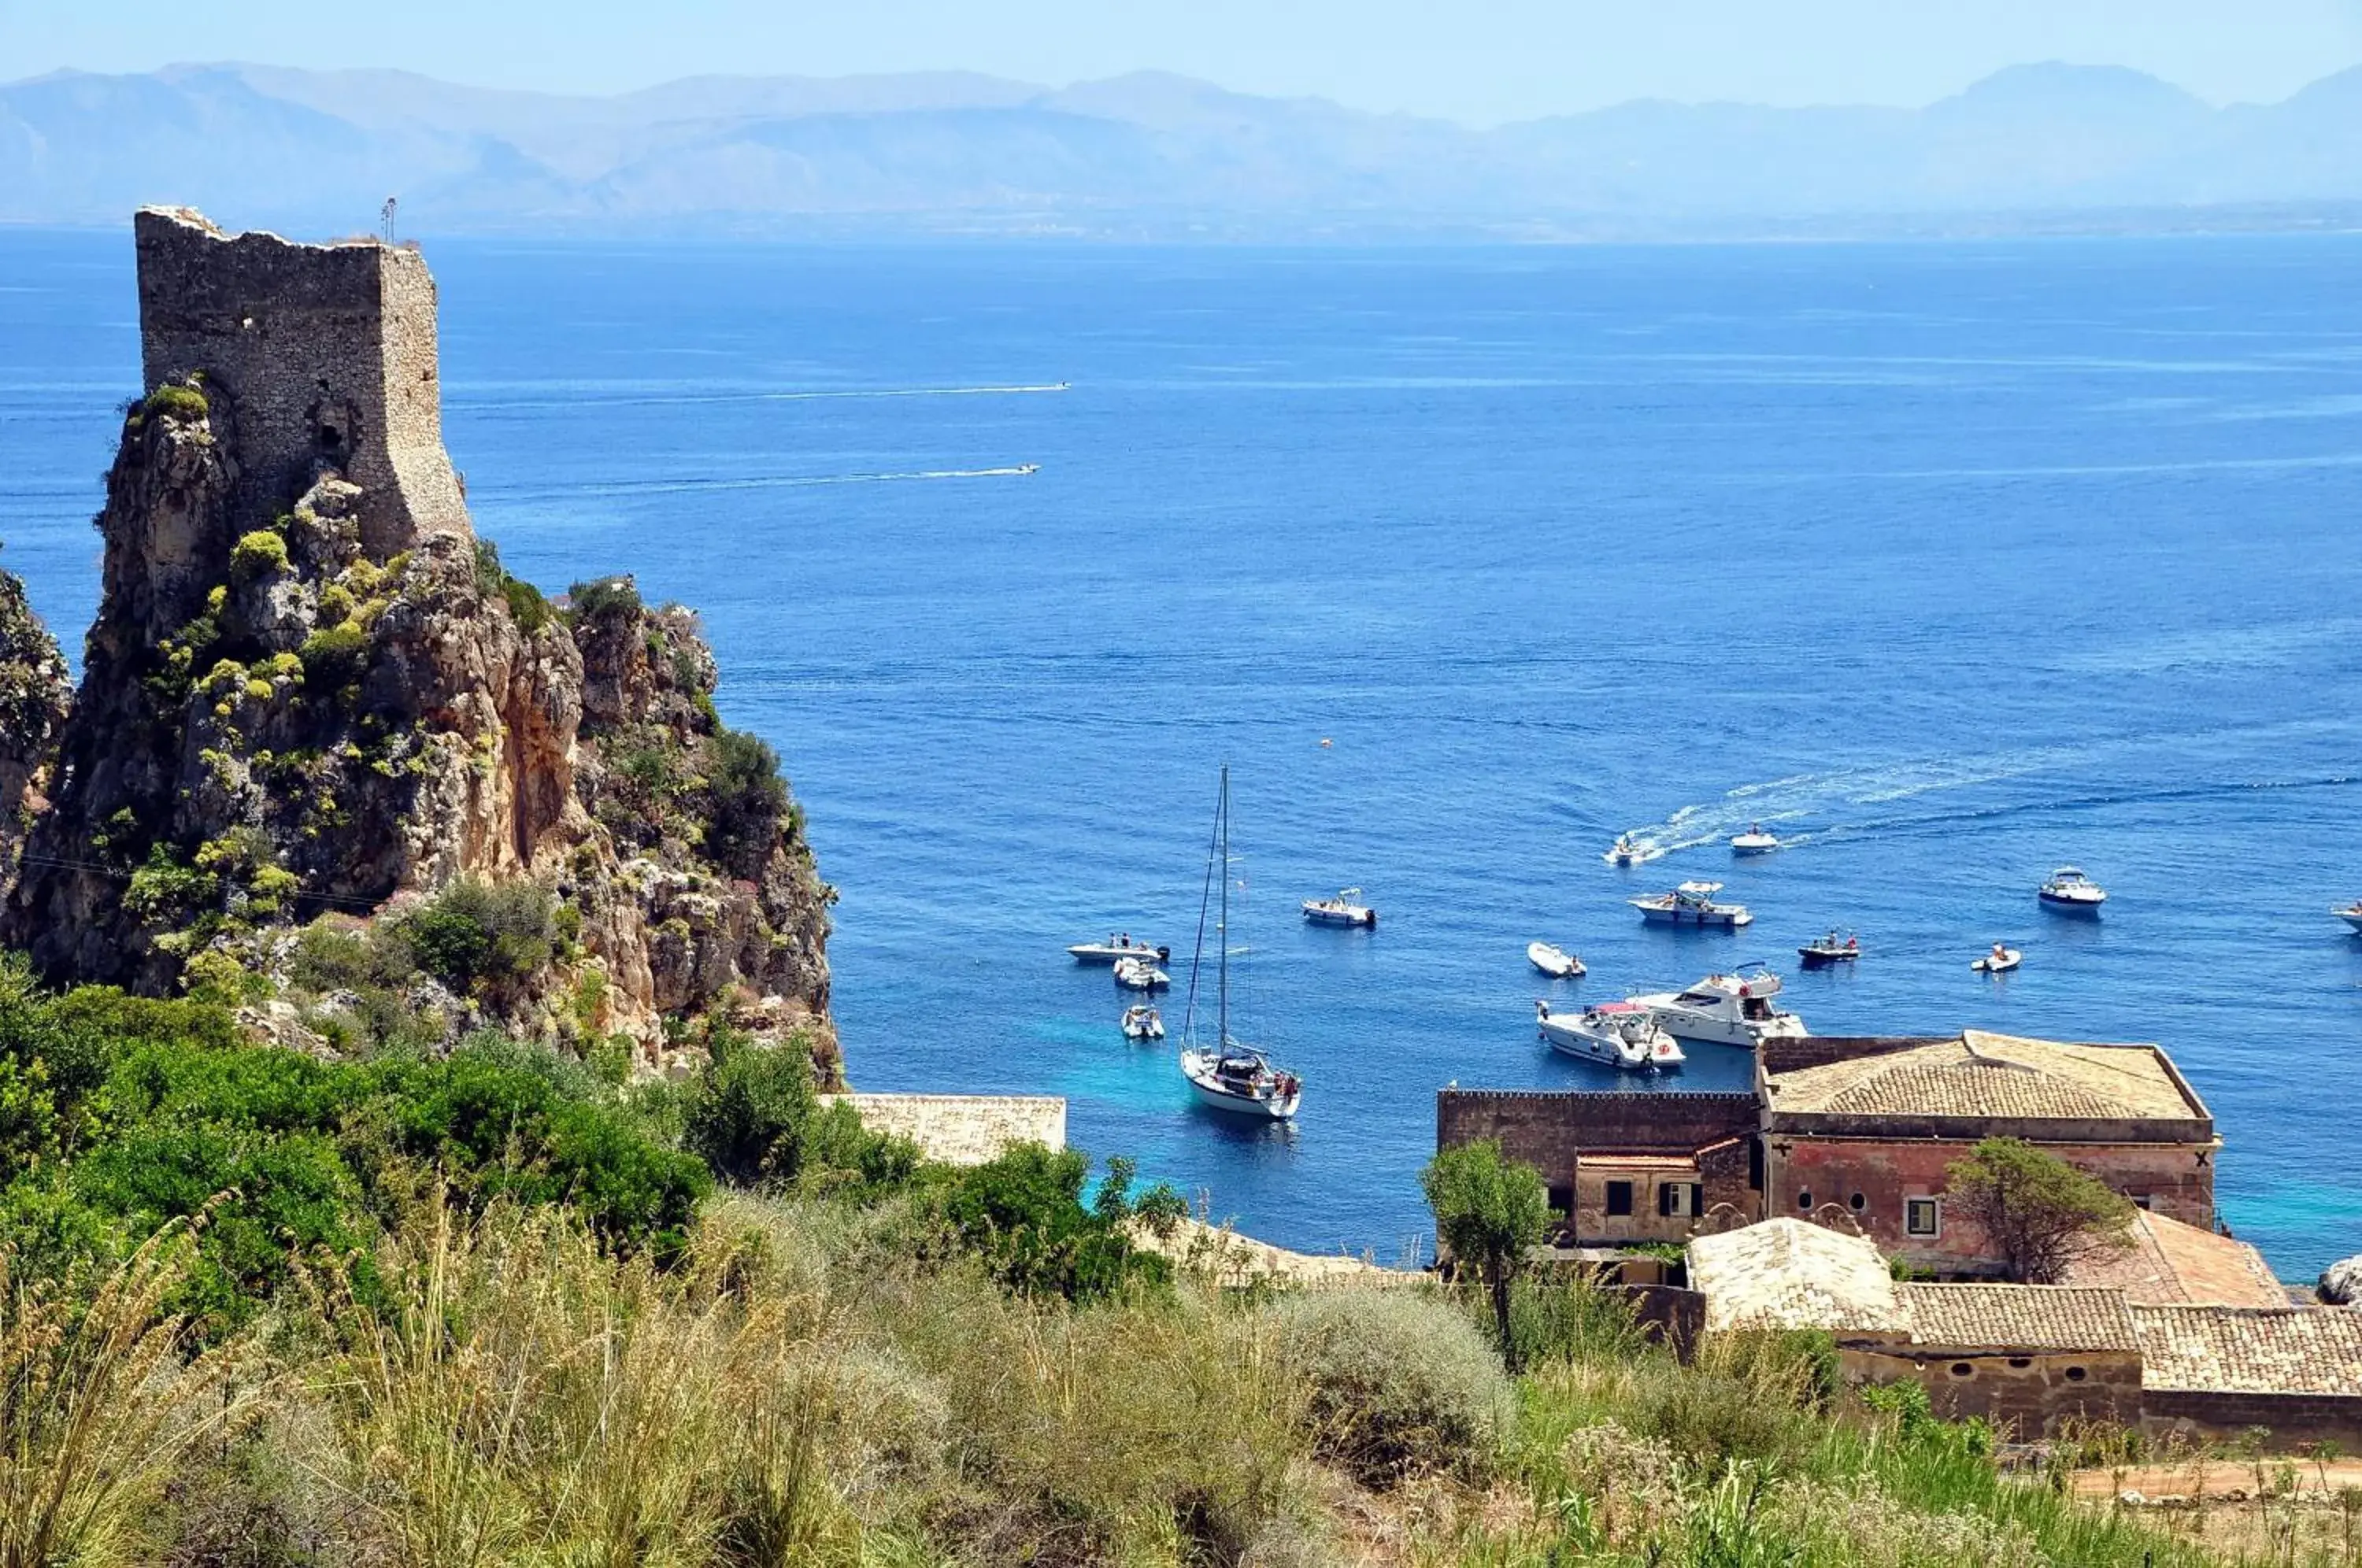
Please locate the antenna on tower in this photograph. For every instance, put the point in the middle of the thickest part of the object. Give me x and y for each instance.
(385, 214)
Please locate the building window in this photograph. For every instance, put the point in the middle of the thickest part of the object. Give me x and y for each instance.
(1922, 1216)
(2020, 1363)
(2144, 1200)
(1562, 1201)
(1680, 1199)
(1619, 1198)
(1857, 1203)
(1804, 1201)
(1962, 1369)
(2076, 1374)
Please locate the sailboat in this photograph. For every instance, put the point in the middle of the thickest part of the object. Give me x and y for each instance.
(1227, 1073)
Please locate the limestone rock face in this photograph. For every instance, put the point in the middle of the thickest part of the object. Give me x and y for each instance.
(2341, 1283)
(34, 698)
(284, 716)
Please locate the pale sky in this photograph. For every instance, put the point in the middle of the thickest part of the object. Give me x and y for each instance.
(1479, 61)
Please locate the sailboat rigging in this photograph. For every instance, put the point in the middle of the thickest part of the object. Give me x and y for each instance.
(1229, 1075)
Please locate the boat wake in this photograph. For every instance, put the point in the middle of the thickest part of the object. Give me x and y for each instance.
(1836, 800)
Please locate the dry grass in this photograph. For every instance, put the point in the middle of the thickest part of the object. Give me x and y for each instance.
(99, 1404)
(798, 1393)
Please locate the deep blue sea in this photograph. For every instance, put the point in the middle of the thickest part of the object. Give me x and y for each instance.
(1952, 562)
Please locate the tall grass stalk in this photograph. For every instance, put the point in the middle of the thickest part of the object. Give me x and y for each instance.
(99, 1402)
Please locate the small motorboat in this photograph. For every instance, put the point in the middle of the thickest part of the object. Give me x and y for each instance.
(1830, 949)
(1141, 975)
(1617, 1033)
(1341, 910)
(1726, 1009)
(1555, 962)
(1692, 903)
(2070, 890)
(1241, 1080)
(2351, 914)
(1754, 841)
(1142, 1021)
(1629, 851)
(2000, 961)
(1117, 948)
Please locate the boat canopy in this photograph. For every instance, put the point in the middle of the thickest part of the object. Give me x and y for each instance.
(1701, 888)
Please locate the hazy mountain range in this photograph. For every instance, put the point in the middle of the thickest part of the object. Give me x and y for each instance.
(1150, 154)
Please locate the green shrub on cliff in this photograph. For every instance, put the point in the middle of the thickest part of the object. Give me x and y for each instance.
(602, 599)
(180, 402)
(333, 654)
(258, 553)
(747, 799)
(476, 932)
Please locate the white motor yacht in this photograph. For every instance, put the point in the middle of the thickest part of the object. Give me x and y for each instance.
(1141, 975)
(2068, 889)
(1617, 1033)
(1117, 948)
(1555, 962)
(1692, 903)
(1142, 1021)
(2351, 914)
(1754, 841)
(1727, 1010)
(1342, 910)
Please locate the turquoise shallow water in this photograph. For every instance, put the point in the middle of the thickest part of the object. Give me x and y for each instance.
(1953, 562)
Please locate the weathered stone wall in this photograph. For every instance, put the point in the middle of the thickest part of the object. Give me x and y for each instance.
(1545, 1128)
(327, 353)
(2030, 1392)
(1720, 1178)
(2292, 1419)
(2175, 1179)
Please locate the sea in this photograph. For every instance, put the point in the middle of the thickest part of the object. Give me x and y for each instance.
(1948, 563)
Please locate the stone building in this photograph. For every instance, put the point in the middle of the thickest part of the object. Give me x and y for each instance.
(963, 1129)
(1873, 1126)
(328, 355)
(1621, 1168)
(2031, 1357)
(1863, 1127)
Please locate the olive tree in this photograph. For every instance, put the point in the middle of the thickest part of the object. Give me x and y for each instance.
(2038, 1212)
(1488, 1212)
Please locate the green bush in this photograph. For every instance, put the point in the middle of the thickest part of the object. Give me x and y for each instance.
(475, 930)
(181, 402)
(258, 553)
(1024, 1215)
(602, 599)
(527, 608)
(1401, 1383)
(746, 798)
(333, 655)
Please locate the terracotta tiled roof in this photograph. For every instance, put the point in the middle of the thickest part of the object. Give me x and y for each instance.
(2170, 1263)
(2019, 1317)
(2236, 1350)
(1785, 1274)
(2000, 1076)
(963, 1129)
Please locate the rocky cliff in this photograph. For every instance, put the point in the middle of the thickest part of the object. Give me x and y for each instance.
(34, 698)
(326, 765)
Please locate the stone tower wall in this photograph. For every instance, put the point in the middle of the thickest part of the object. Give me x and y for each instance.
(327, 354)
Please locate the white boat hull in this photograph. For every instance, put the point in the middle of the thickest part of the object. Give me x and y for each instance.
(2080, 903)
(1142, 978)
(1989, 965)
(1197, 1066)
(2351, 917)
(1695, 1030)
(1108, 953)
(1320, 915)
(1705, 920)
(1557, 964)
(1748, 843)
(1569, 1037)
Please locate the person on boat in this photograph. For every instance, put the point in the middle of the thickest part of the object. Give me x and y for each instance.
(1999, 952)
(1853, 944)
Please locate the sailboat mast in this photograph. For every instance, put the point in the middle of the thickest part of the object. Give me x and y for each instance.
(1223, 974)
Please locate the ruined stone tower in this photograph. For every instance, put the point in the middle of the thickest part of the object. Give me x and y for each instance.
(327, 355)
